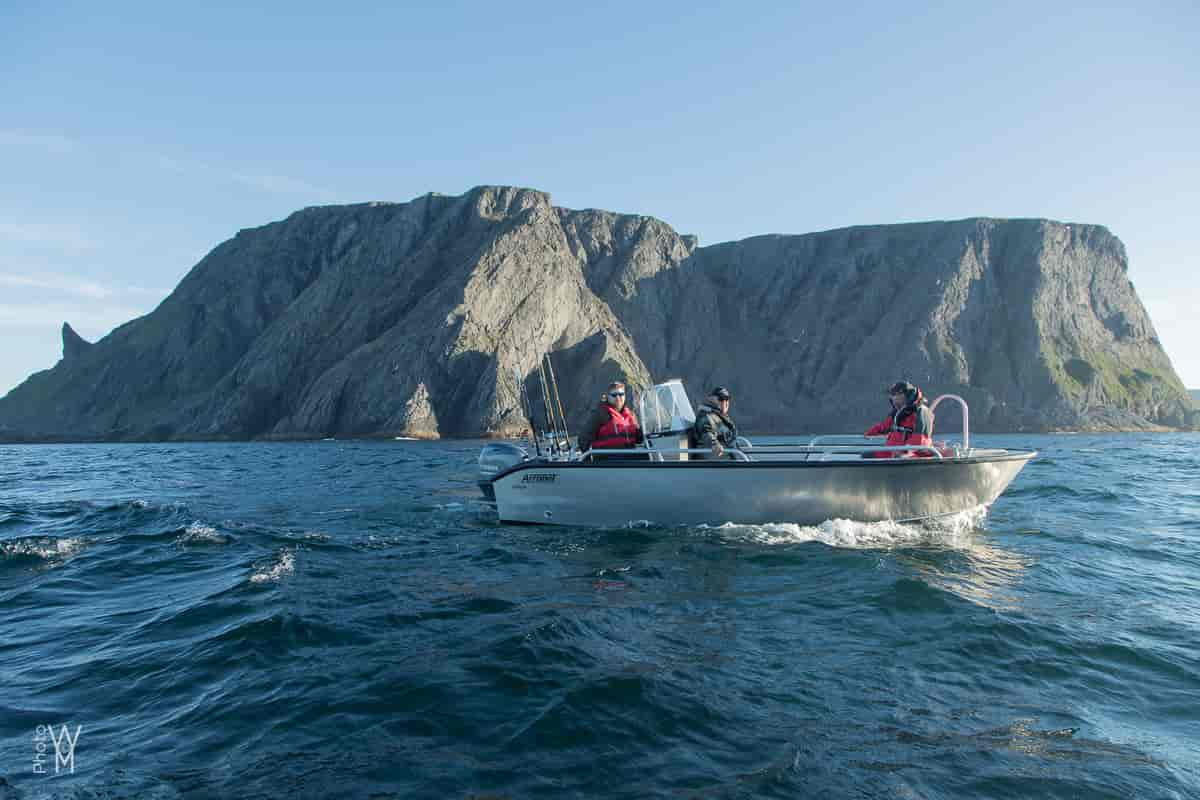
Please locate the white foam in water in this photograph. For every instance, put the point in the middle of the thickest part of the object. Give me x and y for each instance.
(950, 530)
(283, 566)
(199, 533)
(54, 550)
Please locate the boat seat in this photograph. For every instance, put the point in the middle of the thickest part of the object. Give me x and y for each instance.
(670, 440)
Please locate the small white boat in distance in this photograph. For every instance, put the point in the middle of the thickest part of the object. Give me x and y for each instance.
(666, 483)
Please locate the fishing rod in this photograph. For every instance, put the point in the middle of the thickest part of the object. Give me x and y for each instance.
(644, 395)
(550, 423)
(558, 400)
(527, 409)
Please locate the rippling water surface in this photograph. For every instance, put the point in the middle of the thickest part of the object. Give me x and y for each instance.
(343, 619)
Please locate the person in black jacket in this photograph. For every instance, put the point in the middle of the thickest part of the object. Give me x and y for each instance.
(714, 429)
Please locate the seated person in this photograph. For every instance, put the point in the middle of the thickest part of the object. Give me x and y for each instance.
(911, 422)
(612, 425)
(714, 428)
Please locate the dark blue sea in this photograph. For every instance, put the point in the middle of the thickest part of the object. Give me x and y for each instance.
(345, 619)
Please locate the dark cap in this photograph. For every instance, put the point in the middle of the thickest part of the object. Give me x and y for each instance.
(720, 392)
(901, 387)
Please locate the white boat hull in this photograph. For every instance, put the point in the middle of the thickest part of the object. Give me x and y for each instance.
(614, 493)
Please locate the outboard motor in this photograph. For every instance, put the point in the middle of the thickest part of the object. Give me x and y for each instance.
(494, 459)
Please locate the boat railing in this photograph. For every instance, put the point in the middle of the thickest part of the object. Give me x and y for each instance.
(859, 448)
(827, 437)
(965, 449)
(767, 452)
(825, 445)
(966, 417)
(822, 444)
(656, 453)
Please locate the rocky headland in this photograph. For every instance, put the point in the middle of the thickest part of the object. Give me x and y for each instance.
(409, 319)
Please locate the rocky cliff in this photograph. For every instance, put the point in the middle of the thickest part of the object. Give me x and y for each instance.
(388, 319)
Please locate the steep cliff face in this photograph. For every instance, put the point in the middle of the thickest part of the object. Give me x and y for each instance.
(1034, 323)
(375, 319)
(411, 319)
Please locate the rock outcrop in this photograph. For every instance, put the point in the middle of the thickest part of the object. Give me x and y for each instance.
(73, 344)
(385, 319)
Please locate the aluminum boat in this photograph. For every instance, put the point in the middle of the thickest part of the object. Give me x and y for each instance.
(664, 482)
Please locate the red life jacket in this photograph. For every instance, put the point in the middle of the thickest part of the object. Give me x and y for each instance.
(900, 431)
(620, 430)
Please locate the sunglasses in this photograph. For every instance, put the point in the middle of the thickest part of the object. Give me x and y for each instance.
(616, 394)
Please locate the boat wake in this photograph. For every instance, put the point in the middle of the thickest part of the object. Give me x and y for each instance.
(953, 530)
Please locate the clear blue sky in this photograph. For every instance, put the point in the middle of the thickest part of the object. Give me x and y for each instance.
(134, 137)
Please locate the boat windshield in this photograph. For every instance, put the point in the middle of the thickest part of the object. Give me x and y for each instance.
(665, 408)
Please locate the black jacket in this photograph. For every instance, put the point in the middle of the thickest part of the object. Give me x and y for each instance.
(712, 426)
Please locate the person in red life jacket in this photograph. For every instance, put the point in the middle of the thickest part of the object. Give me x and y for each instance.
(911, 422)
(612, 425)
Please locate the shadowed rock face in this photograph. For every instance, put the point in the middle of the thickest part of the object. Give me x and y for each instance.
(411, 319)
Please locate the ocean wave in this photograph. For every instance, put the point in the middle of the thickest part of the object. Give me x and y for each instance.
(116, 783)
(12, 516)
(1051, 491)
(87, 516)
(275, 634)
(431, 508)
(48, 549)
(199, 533)
(283, 565)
